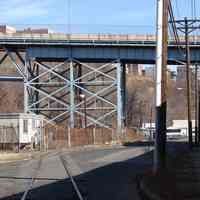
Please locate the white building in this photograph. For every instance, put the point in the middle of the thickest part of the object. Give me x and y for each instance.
(181, 125)
(178, 128)
(20, 128)
(7, 29)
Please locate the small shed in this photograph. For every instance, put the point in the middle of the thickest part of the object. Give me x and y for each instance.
(20, 128)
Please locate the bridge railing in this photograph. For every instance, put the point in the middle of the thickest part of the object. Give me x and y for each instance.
(77, 37)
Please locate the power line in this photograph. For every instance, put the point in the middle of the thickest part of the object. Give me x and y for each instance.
(174, 28)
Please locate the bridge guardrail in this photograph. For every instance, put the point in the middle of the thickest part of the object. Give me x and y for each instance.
(91, 37)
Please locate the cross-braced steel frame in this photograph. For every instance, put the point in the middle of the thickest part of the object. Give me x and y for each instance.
(73, 92)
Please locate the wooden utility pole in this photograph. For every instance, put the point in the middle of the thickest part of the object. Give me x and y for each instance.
(161, 68)
(188, 84)
(196, 105)
(150, 122)
(198, 113)
(188, 26)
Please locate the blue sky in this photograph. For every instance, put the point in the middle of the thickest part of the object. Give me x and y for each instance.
(125, 16)
(93, 12)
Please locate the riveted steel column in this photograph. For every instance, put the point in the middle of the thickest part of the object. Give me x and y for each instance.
(26, 85)
(72, 92)
(119, 99)
(37, 93)
(123, 84)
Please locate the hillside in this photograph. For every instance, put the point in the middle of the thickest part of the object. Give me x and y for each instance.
(141, 98)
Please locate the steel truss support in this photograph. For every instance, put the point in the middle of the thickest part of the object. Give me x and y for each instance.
(55, 90)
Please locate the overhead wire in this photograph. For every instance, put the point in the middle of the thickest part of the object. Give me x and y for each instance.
(174, 28)
(173, 24)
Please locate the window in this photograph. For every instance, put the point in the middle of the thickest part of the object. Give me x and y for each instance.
(25, 125)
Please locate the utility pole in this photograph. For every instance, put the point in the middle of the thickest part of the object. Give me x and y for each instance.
(198, 113)
(151, 114)
(188, 26)
(196, 106)
(188, 85)
(161, 65)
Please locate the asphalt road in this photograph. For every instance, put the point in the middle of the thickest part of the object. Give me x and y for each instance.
(106, 173)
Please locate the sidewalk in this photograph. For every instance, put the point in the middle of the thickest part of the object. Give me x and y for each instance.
(180, 181)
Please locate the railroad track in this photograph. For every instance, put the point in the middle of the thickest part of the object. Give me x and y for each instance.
(34, 177)
(68, 172)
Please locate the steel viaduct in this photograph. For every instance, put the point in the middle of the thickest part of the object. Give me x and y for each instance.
(62, 82)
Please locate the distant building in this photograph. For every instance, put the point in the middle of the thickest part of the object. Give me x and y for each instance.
(136, 69)
(173, 75)
(35, 31)
(150, 72)
(7, 29)
(194, 71)
(181, 73)
(149, 125)
(182, 123)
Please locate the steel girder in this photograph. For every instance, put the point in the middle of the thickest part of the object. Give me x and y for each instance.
(77, 90)
(80, 94)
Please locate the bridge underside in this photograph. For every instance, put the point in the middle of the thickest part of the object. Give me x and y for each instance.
(64, 84)
(71, 92)
(126, 54)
